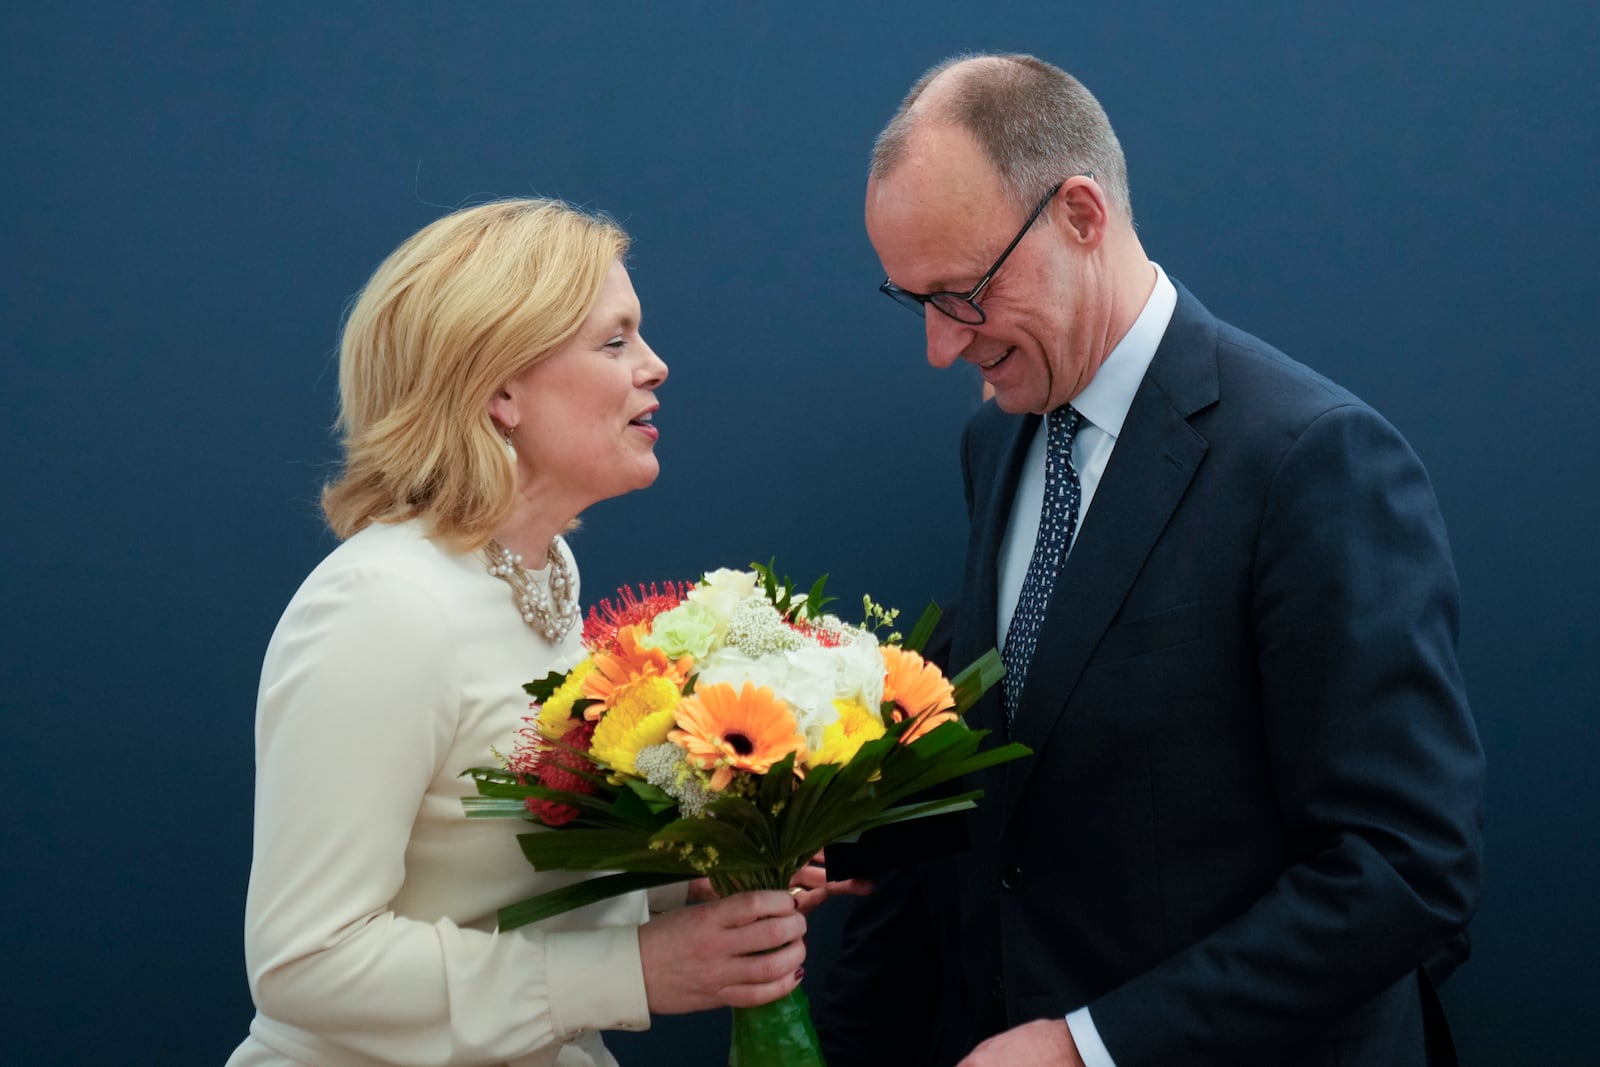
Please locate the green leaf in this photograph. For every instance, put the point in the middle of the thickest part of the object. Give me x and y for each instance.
(907, 812)
(955, 762)
(572, 848)
(977, 679)
(755, 827)
(923, 629)
(834, 802)
(520, 789)
(814, 600)
(729, 833)
(769, 581)
(494, 787)
(580, 894)
(777, 786)
(607, 806)
(489, 774)
(494, 808)
(654, 798)
(631, 806)
(545, 687)
(795, 821)
(600, 807)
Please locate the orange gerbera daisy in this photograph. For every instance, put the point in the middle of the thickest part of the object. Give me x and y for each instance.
(918, 690)
(615, 670)
(722, 730)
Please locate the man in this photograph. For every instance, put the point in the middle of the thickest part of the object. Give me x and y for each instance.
(1227, 605)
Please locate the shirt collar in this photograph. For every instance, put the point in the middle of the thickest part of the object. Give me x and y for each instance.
(1108, 396)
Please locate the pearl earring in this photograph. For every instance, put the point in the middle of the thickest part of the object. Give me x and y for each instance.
(511, 449)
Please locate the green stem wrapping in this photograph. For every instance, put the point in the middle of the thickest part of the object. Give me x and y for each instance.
(779, 1034)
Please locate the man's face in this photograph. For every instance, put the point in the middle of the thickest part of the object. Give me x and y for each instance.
(938, 221)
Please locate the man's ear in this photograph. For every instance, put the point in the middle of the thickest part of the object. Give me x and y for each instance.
(1081, 206)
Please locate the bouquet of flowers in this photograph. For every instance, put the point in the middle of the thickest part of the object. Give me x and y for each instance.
(731, 729)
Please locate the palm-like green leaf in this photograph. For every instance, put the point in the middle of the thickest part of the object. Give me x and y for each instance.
(579, 894)
(982, 674)
(923, 629)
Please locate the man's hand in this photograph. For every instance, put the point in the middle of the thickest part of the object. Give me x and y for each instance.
(1041, 1043)
(811, 887)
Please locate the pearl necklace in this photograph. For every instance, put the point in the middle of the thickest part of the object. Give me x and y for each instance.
(551, 614)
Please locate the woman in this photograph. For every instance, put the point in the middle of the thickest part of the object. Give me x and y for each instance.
(493, 384)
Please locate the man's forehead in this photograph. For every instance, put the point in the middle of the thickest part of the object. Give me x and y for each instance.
(931, 217)
(945, 161)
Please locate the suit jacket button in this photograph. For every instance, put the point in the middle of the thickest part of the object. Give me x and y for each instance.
(1011, 878)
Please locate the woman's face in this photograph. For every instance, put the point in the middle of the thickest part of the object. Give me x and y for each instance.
(580, 419)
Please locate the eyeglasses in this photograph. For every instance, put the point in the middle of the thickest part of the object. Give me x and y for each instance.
(963, 307)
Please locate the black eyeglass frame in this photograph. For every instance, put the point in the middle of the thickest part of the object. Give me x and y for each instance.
(918, 302)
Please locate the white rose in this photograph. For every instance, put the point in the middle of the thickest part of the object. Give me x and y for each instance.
(721, 591)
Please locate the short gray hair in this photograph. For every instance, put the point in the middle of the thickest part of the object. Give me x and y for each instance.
(1036, 123)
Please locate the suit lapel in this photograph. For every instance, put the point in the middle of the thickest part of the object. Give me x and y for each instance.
(1155, 459)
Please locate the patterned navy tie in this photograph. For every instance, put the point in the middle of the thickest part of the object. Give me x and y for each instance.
(1057, 521)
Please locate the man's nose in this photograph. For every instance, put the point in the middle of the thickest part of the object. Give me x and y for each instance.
(947, 338)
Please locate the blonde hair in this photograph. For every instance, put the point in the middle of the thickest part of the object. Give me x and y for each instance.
(1036, 124)
(459, 309)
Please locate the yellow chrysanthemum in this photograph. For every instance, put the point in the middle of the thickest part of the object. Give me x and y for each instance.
(641, 715)
(843, 738)
(630, 663)
(555, 715)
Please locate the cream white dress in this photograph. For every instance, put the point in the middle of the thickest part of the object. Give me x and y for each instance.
(370, 924)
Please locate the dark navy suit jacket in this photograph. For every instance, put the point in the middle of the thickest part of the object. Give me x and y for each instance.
(1254, 807)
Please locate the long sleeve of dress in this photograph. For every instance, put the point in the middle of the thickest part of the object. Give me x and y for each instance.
(359, 725)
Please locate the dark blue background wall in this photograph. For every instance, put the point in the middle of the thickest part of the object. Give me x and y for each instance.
(190, 192)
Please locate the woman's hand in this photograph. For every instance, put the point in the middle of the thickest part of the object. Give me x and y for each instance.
(737, 952)
(811, 887)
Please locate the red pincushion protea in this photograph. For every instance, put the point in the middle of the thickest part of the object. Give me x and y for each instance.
(823, 637)
(551, 764)
(630, 609)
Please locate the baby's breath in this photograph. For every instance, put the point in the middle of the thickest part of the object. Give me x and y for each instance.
(757, 629)
(665, 767)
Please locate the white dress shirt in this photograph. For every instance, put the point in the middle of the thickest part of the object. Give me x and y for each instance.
(1102, 408)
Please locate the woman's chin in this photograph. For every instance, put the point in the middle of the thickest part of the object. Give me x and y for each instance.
(647, 475)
